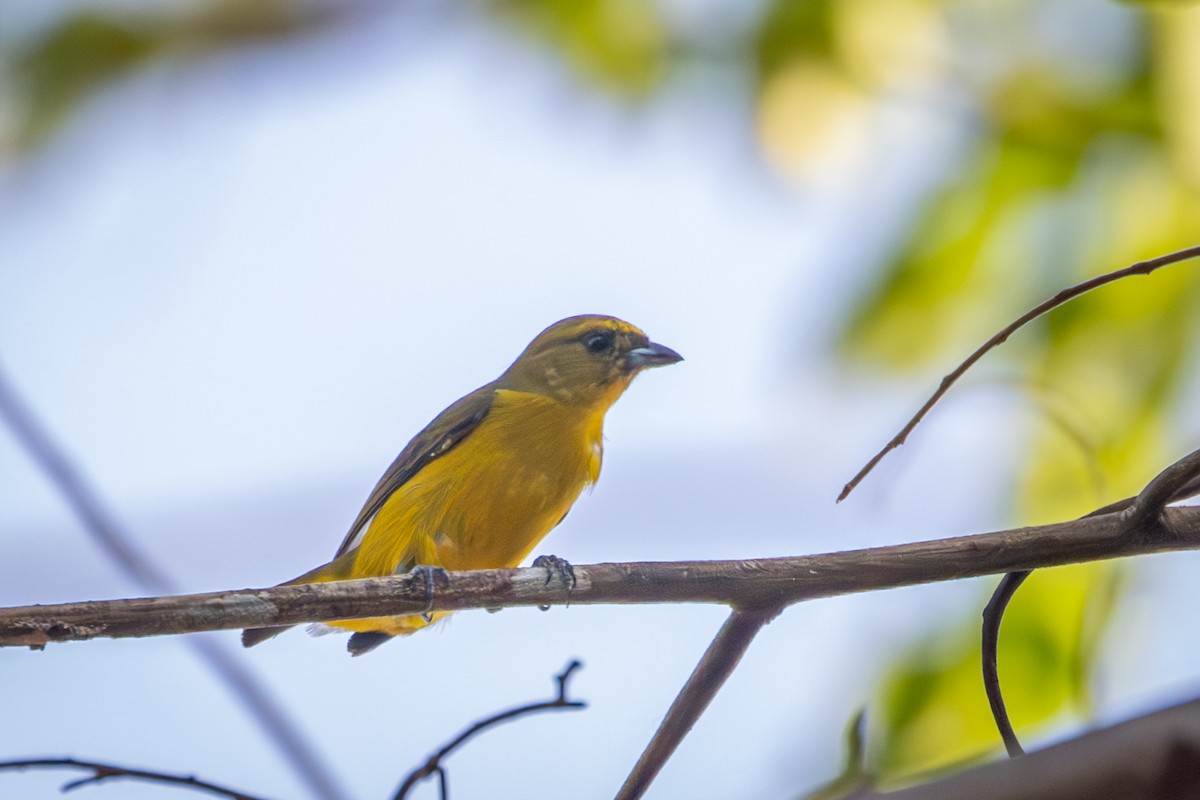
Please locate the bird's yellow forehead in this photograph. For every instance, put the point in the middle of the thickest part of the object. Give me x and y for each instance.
(572, 327)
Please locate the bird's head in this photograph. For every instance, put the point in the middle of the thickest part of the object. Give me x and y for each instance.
(589, 360)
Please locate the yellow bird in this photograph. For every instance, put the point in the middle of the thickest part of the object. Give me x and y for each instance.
(483, 483)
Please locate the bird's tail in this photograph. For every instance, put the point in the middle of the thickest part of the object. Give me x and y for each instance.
(253, 636)
(336, 570)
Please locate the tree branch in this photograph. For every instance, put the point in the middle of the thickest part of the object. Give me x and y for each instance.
(757, 590)
(993, 615)
(1177, 482)
(104, 772)
(715, 667)
(749, 583)
(1140, 268)
(433, 766)
(1153, 757)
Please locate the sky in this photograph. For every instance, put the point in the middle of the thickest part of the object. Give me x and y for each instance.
(234, 286)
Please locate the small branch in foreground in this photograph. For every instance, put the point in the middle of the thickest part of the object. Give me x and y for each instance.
(715, 667)
(105, 772)
(1153, 757)
(1177, 482)
(1140, 268)
(433, 766)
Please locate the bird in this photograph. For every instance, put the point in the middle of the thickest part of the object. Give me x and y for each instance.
(492, 474)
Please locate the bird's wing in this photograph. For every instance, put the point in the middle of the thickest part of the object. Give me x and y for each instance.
(438, 438)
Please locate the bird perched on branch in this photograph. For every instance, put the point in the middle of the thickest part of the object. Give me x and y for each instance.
(484, 482)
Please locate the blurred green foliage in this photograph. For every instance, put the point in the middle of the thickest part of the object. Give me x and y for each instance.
(932, 713)
(77, 57)
(1082, 158)
(789, 31)
(62, 66)
(1063, 181)
(618, 44)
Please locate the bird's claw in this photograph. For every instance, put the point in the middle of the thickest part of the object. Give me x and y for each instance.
(431, 575)
(557, 568)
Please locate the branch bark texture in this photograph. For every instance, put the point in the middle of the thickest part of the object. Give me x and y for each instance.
(1154, 757)
(749, 584)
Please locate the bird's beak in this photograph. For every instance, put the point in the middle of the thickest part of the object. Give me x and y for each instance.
(652, 355)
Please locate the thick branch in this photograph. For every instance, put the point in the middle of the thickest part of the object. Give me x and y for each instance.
(749, 583)
(1155, 757)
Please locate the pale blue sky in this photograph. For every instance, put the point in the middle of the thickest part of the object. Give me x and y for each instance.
(235, 286)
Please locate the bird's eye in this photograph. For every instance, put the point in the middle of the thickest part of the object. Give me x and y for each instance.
(599, 341)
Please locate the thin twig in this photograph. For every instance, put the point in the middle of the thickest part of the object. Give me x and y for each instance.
(993, 614)
(1140, 268)
(748, 583)
(104, 772)
(434, 766)
(1177, 482)
(715, 667)
(101, 525)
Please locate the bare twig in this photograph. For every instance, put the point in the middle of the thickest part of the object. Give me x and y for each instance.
(102, 526)
(1177, 482)
(1140, 268)
(104, 772)
(715, 667)
(749, 583)
(1153, 757)
(993, 613)
(433, 766)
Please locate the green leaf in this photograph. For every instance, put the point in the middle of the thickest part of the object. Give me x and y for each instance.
(84, 52)
(620, 45)
(790, 30)
(88, 50)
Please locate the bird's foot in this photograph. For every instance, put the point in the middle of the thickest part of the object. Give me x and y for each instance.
(431, 576)
(557, 568)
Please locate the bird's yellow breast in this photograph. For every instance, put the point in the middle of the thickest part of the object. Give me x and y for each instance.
(491, 499)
